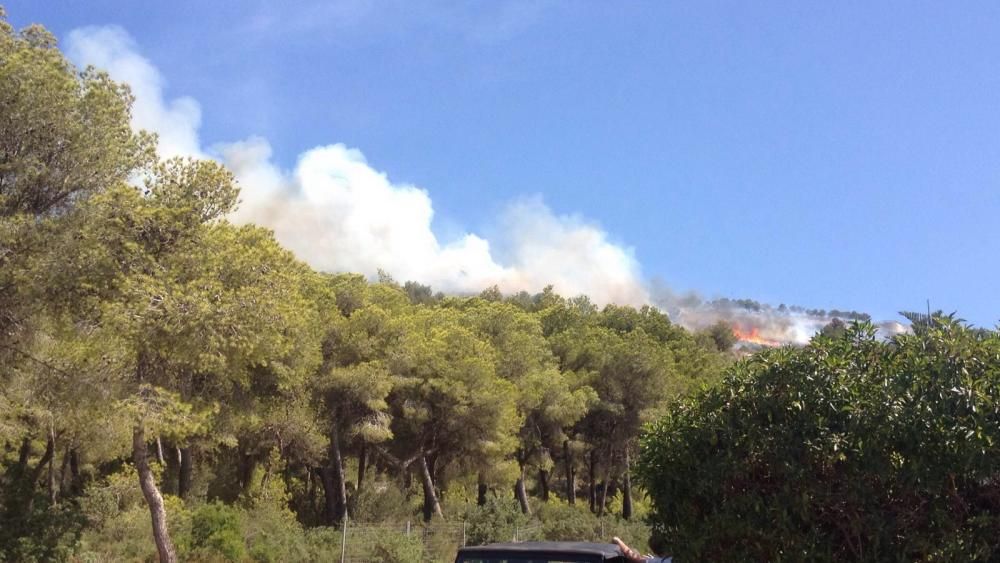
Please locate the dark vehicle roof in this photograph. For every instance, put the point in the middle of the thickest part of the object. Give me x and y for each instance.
(600, 551)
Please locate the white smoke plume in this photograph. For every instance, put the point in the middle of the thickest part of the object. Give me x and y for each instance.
(112, 49)
(339, 213)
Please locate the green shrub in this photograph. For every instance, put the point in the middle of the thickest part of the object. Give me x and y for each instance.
(321, 544)
(272, 533)
(561, 521)
(215, 530)
(46, 533)
(117, 492)
(397, 548)
(495, 521)
(119, 527)
(634, 532)
(227, 544)
(379, 501)
(564, 522)
(851, 449)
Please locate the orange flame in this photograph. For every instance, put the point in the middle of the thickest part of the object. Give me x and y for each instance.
(753, 336)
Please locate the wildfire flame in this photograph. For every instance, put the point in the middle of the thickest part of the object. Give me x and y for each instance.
(753, 336)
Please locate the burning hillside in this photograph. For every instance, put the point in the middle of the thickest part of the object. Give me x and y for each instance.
(756, 324)
(752, 335)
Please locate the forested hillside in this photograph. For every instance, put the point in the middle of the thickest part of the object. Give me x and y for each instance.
(159, 364)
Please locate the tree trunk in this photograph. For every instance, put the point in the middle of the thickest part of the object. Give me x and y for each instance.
(316, 474)
(431, 504)
(52, 485)
(592, 486)
(248, 463)
(310, 488)
(23, 454)
(337, 462)
(627, 489)
(570, 474)
(604, 491)
(42, 463)
(264, 480)
(543, 482)
(36, 473)
(74, 472)
(52, 469)
(164, 547)
(481, 490)
(521, 494)
(159, 452)
(287, 471)
(329, 495)
(171, 469)
(185, 471)
(62, 471)
(362, 465)
(432, 468)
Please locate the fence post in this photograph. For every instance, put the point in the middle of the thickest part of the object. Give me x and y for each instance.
(407, 528)
(463, 533)
(343, 543)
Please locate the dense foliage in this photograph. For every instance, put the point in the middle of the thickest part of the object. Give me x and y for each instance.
(159, 364)
(848, 449)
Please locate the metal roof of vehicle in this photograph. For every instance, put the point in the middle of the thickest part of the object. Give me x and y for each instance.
(606, 550)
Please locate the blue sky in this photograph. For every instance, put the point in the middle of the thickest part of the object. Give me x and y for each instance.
(833, 155)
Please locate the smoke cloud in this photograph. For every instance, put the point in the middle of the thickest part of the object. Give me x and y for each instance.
(340, 213)
(112, 49)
